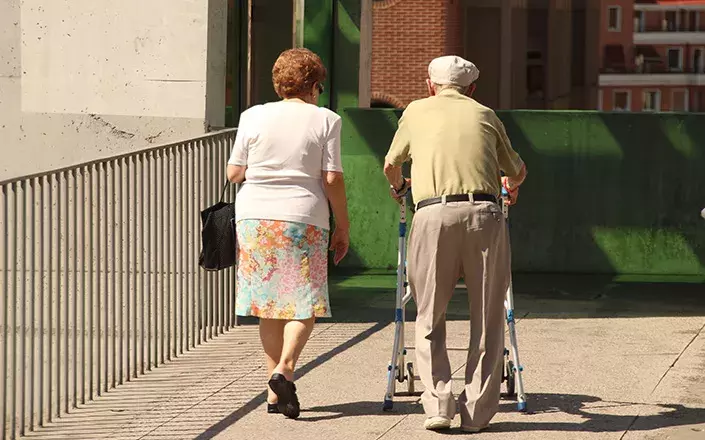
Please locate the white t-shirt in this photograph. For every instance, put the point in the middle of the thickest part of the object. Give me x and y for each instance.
(286, 145)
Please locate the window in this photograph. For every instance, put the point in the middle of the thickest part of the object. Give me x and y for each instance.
(670, 23)
(679, 100)
(614, 18)
(675, 59)
(693, 21)
(639, 21)
(621, 100)
(683, 20)
(697, 107)
(652, 101)
(699, 61)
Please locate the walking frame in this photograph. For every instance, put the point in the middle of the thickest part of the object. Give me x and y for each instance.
(399, 371)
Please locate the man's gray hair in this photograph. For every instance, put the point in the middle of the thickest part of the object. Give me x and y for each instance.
(459, 89)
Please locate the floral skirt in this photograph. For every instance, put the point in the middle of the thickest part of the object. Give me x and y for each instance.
(282, 270)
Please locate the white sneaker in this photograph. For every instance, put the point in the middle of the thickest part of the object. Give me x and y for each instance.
(436, 423)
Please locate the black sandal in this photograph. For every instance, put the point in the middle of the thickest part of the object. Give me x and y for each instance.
(288, 402)
(272, 408)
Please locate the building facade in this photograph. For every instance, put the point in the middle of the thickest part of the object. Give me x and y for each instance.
(652, 55)
(612, 55)
(536, 54)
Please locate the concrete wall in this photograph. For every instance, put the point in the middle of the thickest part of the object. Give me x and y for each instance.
(606, 193)
(85, 79)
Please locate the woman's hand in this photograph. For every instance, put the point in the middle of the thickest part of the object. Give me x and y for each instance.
(339, 244)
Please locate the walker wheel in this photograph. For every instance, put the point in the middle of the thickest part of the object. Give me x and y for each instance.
(511, 379)
(410, 377)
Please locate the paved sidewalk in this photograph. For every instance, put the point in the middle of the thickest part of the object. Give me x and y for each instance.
(603, 360)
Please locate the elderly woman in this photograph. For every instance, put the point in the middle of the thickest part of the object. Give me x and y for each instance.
(287, 155)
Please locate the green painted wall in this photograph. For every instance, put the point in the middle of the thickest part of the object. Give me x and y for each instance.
(318, 37)
(346, 59)
(606, 193)
(332, 30)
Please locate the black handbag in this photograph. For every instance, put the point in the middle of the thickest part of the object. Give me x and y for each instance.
(218, 238)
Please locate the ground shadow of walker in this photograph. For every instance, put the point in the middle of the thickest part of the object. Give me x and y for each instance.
(592, 411)
(595, 417)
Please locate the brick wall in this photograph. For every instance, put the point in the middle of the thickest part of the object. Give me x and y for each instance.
(623, 37)
(406, 36)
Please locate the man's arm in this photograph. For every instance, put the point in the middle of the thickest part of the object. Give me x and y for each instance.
(510, 163)
(397, 155)
(393, 175)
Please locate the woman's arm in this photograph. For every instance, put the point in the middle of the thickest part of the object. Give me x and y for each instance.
(334, 186)
(236, 173)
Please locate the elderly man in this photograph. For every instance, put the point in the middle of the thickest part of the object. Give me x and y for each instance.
(458, 149)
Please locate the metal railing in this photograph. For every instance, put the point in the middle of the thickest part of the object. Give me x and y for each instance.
(651, 68)
(667, 27)
(99, 275)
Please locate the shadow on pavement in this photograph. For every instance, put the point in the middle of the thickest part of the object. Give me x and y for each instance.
(355, 409)
(593, 418)
(371, 299)
(591, 410)
(303, 370)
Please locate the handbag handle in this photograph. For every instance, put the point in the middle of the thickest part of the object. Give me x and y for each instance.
(225, 187)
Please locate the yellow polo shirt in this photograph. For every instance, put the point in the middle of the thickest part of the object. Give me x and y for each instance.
(456, 146)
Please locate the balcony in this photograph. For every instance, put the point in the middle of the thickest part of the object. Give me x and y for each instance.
(669, 32)
(651, 68)
(650, 75)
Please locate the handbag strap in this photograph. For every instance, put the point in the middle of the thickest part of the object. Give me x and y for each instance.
(225, 188)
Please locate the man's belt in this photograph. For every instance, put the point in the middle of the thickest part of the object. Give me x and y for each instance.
(457, 198)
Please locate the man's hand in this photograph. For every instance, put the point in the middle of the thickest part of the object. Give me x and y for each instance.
(398, 195)
(339, 244)
(513, 191)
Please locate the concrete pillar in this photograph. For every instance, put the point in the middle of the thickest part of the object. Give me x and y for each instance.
(216, 56)
(505, 68)
(592, 54)
(558, 77)
(365, 74)
(519, 52)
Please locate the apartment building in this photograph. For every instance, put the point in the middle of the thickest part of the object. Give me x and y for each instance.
(532, 54)
(652, 55)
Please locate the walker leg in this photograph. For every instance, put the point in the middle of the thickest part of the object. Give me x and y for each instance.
(509, 306)
(395, 369)
(392, 368)
(518, 368)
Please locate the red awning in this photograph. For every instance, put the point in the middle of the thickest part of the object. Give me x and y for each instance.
(649, 52)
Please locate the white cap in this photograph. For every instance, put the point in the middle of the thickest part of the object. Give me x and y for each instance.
(452, 70)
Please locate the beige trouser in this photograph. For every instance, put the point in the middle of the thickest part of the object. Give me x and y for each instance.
(446, 239)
